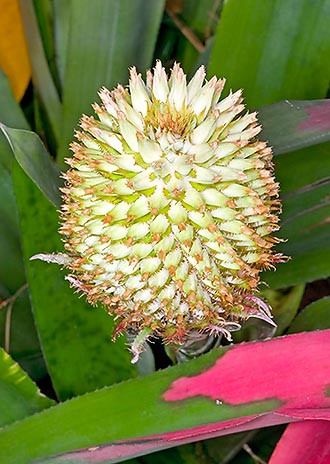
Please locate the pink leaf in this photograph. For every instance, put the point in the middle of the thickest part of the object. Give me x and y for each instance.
(289, 376)
(305, 442)
(318, 118)
(289, 125)
(252, 372)
(116, 451)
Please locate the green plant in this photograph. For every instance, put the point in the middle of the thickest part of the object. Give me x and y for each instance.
(279, 55)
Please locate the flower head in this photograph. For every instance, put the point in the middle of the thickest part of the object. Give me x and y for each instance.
(169, 207)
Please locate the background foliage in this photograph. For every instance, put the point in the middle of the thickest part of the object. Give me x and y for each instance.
(278, 51)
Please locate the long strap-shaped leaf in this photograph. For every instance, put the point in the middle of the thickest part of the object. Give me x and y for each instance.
(231, 389)
(20, 397)
(33, 157)
(105, 38)
(24, 349)
(41, 75)
(274, 49)
(305, 441)
(290, 125)
(11, 114)
(74, 336)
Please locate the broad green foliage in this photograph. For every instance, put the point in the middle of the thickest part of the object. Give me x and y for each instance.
(306, 207)
(75, 337)
(17, 329)
(105, 37)
(274, 50)
(11, 114)
(285, 306)
(32, 155)
(290, 125)
(11, 270)
(313, 317)
(41, 75)
(165, 407)
(19, 396)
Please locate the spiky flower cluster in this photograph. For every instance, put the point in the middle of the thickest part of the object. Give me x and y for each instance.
(169, 206)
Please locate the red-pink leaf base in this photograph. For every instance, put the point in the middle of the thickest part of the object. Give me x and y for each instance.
(304, 442)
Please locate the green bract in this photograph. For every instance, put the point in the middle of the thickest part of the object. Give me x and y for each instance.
(169, 207)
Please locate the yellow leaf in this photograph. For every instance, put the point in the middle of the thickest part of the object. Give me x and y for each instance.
(14, 59)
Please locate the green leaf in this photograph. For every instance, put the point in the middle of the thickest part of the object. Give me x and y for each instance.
(75, 337)
(228, 390)
(11, 263)
(290, 125)
(284, 305)
(10, 111)
(281, 51)
(41, 76)
(305, 219)
(32, 155)
(19, 395)
(274, 49)
(62, 11)
(45, 18)
(18, 334)
(17, 329)
(313, 164)
(315, 316)
(105, 39)
(11, 114)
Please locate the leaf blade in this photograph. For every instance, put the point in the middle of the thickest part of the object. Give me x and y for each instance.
(20, 397)
(90, 67)
(10, 114)
(41, 75)
(292, 445)
(314, 316)
(62, 12)
(265, 53)
(21, 339)
(75, 338)
(304, 223)
(179, 404)
(290, 125)
(33, 157)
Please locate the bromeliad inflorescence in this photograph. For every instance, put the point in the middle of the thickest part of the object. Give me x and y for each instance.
(169, 207)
